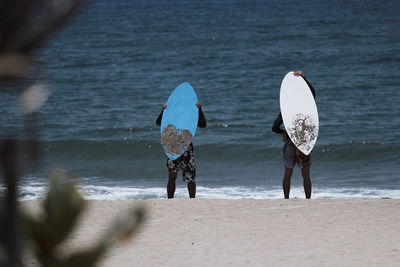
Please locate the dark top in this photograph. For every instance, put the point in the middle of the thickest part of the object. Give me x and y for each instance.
(276, 127)
(200, 123)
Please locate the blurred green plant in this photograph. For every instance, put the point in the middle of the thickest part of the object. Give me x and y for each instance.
(45, 233)
(25, 26)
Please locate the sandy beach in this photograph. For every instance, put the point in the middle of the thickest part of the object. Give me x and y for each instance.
(249, 232)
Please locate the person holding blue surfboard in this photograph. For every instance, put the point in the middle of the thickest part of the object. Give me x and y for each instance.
(177, 161)
(291, 154)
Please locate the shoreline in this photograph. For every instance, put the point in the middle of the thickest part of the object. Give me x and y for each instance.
(159, 191)
(250, 232)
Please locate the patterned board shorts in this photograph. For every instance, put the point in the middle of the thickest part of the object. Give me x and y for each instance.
(186, 164)
(290, 159)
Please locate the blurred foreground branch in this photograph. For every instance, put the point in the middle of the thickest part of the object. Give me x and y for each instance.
(10, 223)
(25, 25)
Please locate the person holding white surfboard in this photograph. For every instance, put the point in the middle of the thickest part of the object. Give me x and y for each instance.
(186, 162)
(292, 155)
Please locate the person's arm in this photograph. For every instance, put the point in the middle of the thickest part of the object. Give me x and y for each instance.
(276, 127)
(158, 121)
(300, 73)
(309, 85)
(202, 123)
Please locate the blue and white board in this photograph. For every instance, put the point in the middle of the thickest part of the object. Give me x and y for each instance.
(179, 121)
(299, 112)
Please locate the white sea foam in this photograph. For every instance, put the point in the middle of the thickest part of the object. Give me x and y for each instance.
(37, 191)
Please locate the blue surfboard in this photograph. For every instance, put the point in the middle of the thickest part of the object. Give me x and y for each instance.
(179, 121)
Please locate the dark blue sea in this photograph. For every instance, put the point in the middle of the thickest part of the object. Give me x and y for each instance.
(111, 69)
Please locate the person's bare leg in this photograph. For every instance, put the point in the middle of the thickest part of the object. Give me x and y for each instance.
(307, 181)
(286, 181)
(171, 183)
(192, 189)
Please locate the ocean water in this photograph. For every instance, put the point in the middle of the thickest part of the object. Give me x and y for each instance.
(114, 66)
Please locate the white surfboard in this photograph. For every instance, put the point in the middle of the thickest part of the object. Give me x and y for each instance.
(299, 112)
